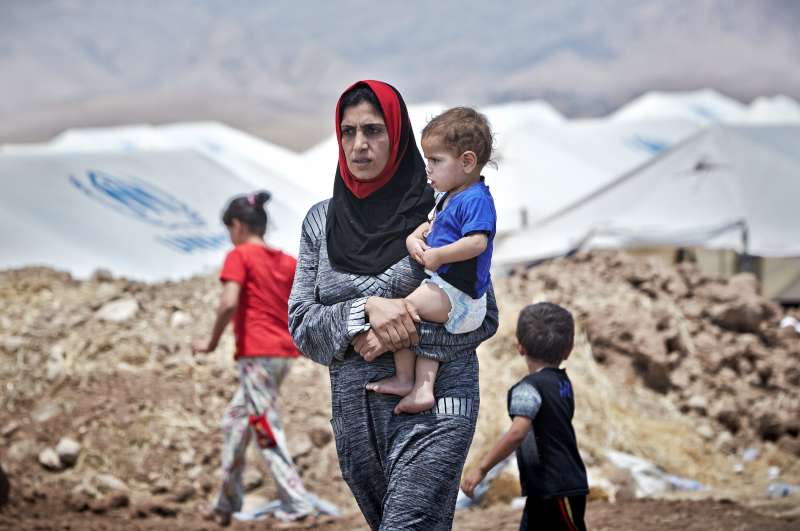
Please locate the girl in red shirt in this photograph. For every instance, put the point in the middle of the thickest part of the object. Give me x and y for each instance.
(256, 281)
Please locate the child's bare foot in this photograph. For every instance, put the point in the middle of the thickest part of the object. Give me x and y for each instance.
(392, 386)
(418, 400)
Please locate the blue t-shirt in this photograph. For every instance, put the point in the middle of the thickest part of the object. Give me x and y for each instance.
(467, 212)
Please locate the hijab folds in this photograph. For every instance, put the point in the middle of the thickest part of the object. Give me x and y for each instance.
(368, 221)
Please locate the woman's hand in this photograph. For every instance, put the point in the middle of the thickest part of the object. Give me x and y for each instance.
(471, 481)
(369, 345)
(393, 322)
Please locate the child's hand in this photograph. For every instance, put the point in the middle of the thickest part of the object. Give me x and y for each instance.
(416, 248)
(201, 346)
(432, 259)
(369, 345)
(471, 481)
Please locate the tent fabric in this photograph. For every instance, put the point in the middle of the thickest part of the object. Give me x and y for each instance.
(726, 187)
(147, 215)
(706, 107)
(543, 163)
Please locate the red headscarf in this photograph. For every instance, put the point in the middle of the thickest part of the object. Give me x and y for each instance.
(392, 115)
(368, 221)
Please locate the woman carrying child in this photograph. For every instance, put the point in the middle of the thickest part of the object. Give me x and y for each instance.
(348, 311)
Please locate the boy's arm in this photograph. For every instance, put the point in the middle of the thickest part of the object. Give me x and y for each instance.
(228, 302)
(509, 442)
(415, 243)
(467, 247)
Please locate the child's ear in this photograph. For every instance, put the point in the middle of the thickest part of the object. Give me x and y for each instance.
(520, 349)
(469, 160)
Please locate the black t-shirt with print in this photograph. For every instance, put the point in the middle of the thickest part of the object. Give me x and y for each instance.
(548, 459)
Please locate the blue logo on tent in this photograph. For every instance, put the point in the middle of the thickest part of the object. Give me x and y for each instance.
(651, 145)
(139, 199)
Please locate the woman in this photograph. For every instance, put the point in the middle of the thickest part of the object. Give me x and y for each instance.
(346, 310)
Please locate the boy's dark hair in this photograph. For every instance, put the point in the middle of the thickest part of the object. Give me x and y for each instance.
(356, 95)
(546, 331)
(249, 210)
(463, 129)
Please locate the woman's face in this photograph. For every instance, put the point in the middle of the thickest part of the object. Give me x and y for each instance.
(365, 141)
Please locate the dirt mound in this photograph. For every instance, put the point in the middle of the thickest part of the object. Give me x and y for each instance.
(107, 363)
(105, 415)
(690, 372)
(713, 347)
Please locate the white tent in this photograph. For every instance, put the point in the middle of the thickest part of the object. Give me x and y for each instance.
(254, 161)
(543, 168)
(143, 214)
(704, 107)
(544, 162)
(725, 188)
(707, 106)
(773, 110)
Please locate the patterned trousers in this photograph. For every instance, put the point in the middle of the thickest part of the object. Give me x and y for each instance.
(259, 379)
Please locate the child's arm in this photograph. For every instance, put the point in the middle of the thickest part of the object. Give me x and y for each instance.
(509, 442)
(416, 242)
(467, 247)
(228, 302)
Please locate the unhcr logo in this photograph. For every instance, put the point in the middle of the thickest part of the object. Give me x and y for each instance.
(183, 229)
(136, 198)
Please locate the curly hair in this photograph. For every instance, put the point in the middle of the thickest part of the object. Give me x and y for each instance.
(463, 129)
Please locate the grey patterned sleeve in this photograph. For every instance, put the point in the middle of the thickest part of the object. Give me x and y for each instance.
(525, 401)
(438, 344)
(321, 332)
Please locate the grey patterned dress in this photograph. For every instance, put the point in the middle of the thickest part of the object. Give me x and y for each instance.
(403, 470)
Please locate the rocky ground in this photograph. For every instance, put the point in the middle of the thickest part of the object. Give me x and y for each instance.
(108, 422)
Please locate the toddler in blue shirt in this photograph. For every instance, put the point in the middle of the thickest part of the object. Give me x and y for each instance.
(455, 246)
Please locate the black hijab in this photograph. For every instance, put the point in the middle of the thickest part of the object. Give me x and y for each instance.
(367, 226)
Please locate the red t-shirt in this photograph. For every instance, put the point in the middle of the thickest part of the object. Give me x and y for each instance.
(261, 323)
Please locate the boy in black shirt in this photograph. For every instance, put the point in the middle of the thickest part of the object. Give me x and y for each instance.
(541, 406)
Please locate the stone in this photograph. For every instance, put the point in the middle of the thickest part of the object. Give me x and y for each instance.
(21, 450)
(320, 437)
(11, 343)
(102, 275)
(186, 458)
(118, 500)
(724, 442)
(45, 412)
(55, 362)
(68, 451)
(183, 494)
(741, 316)
(300, 445)
(48, 458)
(657, 377)
(698, 403)
(78, 501)
(9, 428)
(706, 431)
(161, 486)
(180, 319)
(110, 483)
(118, 311)
(162, 509)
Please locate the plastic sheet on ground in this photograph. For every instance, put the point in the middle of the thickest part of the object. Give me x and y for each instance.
(321, 506)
